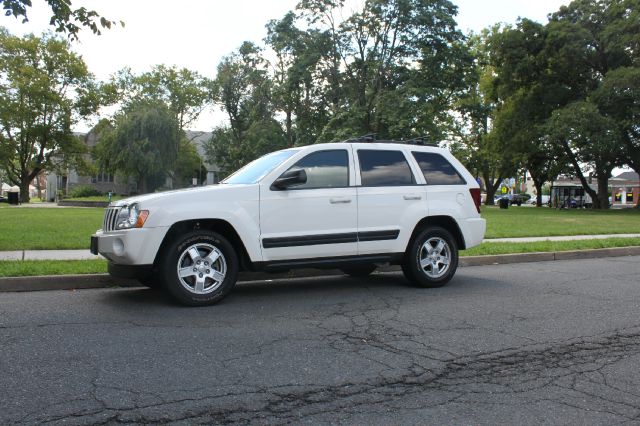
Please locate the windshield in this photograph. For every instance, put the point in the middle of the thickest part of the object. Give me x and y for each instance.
(257, 169)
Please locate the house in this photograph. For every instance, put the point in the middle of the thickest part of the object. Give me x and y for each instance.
(625, 188)
(105, 182)
(568, 192)
(213, 171)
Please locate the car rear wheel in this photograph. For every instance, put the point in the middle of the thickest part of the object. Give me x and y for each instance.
(200, 268)
(432, 258)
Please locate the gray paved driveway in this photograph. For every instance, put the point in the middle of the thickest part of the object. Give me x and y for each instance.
(555, 342)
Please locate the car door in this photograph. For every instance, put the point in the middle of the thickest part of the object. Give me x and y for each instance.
(316, 219)
(390, 200)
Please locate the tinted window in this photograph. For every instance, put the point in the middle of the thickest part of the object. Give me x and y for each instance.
(437, 170)
(384, 168)
(324, 169)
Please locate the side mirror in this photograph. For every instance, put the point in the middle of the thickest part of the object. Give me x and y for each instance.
(290, 178)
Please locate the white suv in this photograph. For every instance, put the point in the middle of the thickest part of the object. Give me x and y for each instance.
(344, 205)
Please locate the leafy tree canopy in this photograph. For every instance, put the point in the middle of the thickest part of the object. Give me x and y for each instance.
(142, 143)
(64, 18)
(186, 92)
(44, 90)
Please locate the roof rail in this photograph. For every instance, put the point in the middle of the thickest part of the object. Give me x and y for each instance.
(371, 137)
(422, 140)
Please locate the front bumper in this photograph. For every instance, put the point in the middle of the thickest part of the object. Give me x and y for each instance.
(137, 246)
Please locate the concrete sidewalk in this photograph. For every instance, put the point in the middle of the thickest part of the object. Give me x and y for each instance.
(86, 255)
(48, 255)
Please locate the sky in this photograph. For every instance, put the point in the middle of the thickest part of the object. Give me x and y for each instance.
(198, 33)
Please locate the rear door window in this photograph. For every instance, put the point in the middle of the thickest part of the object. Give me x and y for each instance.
(384, 168)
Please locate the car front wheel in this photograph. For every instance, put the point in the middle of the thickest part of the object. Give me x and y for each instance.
(432, 258)
(200, 268)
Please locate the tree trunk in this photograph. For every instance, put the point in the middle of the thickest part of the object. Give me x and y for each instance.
(24, 189)
(603, 190)
(142, 185)
(491, 187)
(289, 126)
(574, 162)
(635, 166)
(538, 185)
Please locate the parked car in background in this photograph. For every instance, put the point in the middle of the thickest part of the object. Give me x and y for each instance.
(517, 199)
(534, 199)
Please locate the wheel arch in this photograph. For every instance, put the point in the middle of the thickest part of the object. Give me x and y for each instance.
(446, 222)
(220, 226)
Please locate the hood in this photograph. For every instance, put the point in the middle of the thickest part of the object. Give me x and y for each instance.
(177, 195)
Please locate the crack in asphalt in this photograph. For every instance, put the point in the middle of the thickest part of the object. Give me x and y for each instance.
(562, 368)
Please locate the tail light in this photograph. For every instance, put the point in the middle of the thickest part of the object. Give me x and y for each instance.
(475, 194)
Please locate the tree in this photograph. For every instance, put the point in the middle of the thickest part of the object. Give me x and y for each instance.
(393, 69)
(295, 92)
(64, 18)
(555, 71)
(44, 90)
(186, 92)
(188, 165)
(477, 145)
(143, 143)
(244, 91)
(590, 141)
(618, 97)
(528, 96)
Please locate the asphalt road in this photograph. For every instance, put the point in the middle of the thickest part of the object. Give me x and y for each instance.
(550, 342)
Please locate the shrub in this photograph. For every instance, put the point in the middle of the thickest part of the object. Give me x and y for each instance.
(84, 191)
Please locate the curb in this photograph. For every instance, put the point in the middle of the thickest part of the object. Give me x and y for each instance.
(91, 281)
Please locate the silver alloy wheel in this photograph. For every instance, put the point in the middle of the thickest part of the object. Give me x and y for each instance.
(434, 257)
(201, 268)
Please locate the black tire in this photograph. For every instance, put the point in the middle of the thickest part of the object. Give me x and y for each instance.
(359, 271)
(436, 272)
(209, 264)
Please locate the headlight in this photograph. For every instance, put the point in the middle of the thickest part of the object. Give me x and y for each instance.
(131, 217)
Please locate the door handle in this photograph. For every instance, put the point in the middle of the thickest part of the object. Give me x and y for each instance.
(412, 197)
(340, 200)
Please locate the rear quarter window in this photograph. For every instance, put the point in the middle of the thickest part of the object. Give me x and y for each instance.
(437, 170)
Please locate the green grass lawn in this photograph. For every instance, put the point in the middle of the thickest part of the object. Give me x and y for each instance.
(28, 268)
(544, 221)
(96, 198)
(23, 228)
(488, 248)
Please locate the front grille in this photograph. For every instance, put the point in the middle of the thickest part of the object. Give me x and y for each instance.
(110, 218)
